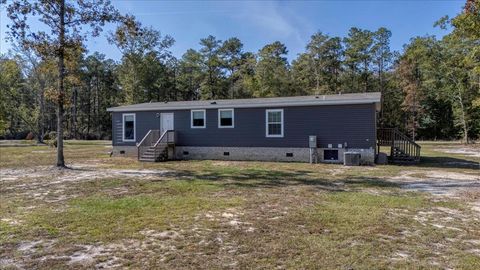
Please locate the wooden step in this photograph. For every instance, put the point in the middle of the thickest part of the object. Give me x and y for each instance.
(147, 160)
(154, 155)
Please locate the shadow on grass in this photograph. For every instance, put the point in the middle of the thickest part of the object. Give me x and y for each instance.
(277, 179)
(447, 162)
(371, 182)
(442, 162)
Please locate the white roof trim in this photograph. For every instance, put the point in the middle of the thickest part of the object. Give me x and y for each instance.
(257, 105)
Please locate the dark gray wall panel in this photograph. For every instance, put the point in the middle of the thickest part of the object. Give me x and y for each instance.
(354, 124)
(117, 129)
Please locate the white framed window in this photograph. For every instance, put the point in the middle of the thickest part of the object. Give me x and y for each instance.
(274, 123)
(128, 127)
(226, 118)
(198, 119)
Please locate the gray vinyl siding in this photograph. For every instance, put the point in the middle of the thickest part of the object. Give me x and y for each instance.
(333, 124)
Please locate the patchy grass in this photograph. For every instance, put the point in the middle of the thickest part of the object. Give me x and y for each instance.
(28, 156)
(101, 217)
(116, 212)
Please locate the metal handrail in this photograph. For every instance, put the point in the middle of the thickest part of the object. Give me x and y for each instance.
(159, 139)
(153, 139)
(404, 137)
(165, 133)
(395, 139)
(147, 141)
(141, 142)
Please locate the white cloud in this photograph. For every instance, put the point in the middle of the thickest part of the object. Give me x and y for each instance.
(275, 22)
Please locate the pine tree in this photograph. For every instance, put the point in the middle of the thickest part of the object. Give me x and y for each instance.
(64, 20)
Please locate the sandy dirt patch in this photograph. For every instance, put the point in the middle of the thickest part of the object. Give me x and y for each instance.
(336, 171)
(451, 222)
(462, 151)
(440, 183)
(75, 173)
(50, 184)
(476, 205)
(88, 254)
(99, 255)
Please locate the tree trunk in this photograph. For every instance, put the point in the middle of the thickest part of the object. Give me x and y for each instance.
(336, 82)
(232, 83)
(365, 70)
(40, 123)
(61, 90)
(95, 104)
(74, 113)
(414, 126)
(89, 109)
(462, 119)
(212, 90)
(380, 77)
(317, 80)
(353, 72)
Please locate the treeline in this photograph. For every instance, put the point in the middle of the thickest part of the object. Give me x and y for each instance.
(431, 90)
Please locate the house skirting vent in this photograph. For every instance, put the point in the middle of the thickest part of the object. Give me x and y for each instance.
(333, 155)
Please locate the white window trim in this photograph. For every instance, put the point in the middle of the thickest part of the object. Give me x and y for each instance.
(134, 127)
(233, 118)
(266, 124)
(204, 118)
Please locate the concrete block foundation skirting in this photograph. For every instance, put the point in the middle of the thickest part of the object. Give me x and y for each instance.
(243, 153)
(266, 154)
(367, 156)
(125, 151)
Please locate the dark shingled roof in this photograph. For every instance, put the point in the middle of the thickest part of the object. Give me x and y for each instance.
(340, 99)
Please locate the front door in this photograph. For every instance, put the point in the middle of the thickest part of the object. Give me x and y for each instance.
(166, 122)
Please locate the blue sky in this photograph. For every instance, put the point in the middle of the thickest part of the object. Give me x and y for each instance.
(257, 23)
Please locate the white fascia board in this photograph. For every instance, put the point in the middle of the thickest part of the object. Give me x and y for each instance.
(259, 105)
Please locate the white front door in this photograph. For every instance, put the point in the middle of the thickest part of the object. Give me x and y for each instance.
(166, 122)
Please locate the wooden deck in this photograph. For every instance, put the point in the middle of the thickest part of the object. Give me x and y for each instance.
(402, 148)
(156, 147)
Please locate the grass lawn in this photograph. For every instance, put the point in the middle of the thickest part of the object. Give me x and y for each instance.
(110, 212)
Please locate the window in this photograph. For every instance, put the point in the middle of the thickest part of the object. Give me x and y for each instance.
(225, 118)
(198, 119)
(274, 123)
(128, 127)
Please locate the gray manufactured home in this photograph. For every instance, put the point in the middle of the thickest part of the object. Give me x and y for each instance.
(269, 129)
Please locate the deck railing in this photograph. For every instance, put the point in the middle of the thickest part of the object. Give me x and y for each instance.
(168, 137)
(154, 139)
(148, 141)
(402, 148)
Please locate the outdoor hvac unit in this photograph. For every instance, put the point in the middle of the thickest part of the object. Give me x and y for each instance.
(351, 159)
